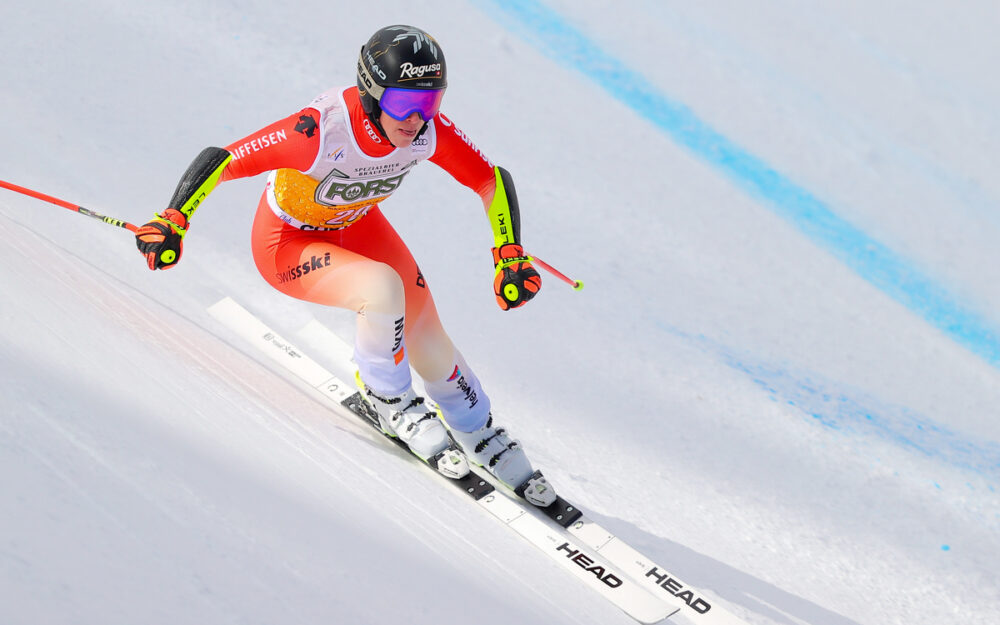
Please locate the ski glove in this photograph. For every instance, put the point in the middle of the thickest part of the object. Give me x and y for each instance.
(515, 281)
(161, 240)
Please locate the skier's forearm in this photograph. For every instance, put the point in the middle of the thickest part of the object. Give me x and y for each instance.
(505, 217)
(198, 181)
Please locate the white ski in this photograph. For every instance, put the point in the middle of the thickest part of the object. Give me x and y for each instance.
(694, 605)
(580, 560)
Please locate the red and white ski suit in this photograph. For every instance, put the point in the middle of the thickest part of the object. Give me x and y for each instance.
(319, 235)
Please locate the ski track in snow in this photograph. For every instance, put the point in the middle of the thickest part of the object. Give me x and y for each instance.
(131, 505)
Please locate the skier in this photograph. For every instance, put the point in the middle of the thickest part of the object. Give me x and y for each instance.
(319, 235)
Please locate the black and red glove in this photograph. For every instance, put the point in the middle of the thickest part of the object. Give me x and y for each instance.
(515, 281)
(161, 240)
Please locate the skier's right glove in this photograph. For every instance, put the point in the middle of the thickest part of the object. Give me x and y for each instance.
(161, 240)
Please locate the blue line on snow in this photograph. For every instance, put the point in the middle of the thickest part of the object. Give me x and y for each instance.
(850, 411)
(870, 259)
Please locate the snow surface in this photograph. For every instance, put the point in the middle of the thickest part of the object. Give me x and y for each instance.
(772, 409)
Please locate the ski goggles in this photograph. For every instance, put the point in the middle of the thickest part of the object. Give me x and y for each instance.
(399, 103)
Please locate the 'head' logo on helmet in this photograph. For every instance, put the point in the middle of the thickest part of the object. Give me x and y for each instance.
(402, 57)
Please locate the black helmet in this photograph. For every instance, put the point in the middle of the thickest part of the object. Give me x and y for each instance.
(401, 57)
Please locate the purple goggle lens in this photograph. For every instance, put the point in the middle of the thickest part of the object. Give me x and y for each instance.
(400, 103)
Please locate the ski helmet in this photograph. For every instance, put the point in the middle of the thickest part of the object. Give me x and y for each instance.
(401, 70)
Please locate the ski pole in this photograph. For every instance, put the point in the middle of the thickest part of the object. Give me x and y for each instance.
(73, 207)
(576, 284)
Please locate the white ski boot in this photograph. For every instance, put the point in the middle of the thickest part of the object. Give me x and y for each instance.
(493, 450)
(407, 417)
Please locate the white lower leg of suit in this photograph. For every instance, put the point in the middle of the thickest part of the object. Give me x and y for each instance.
(457, 392)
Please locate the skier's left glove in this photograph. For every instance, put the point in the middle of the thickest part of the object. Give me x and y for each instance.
(161, 240)
(516, 281)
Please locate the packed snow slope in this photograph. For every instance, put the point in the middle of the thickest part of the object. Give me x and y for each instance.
(782, 378)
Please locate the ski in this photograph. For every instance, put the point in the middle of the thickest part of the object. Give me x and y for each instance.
(580, 560)
(692, 604)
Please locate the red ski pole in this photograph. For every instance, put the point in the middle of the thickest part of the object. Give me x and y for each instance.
(73, 207)
(576, 284)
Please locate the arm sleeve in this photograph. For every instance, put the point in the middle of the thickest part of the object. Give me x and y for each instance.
(459, 156)
(505, 217)
(292, 142)
(198, 181)
(456, 154)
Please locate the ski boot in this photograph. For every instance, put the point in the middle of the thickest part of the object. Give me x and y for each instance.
(408, 418)
(491, 449)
